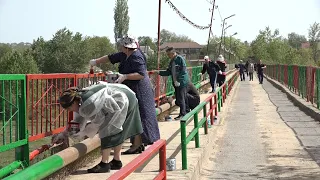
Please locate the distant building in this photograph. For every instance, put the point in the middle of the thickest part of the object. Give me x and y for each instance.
(187, 49)
(146, 50)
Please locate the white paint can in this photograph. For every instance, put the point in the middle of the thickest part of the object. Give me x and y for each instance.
(171, 164)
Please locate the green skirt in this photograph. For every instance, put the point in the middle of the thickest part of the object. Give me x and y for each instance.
(131, 126)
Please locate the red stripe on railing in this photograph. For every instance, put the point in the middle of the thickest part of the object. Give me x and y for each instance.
(159, 146)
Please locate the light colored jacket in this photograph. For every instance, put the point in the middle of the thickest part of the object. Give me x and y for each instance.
(251, 68)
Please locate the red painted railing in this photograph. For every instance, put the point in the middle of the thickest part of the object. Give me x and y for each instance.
(45, 116)
(302, 80)
(159, 146)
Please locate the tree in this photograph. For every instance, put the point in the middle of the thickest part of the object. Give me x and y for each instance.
(167, 36)
(64, 53)
(147, 41)
(17, 63)
(314, 39)
(121, 19)
(38, 51)
(100, 46)
(295, 40)
(4, 49)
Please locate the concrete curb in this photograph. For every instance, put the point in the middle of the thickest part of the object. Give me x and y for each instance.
(303, 105)
(207, 149)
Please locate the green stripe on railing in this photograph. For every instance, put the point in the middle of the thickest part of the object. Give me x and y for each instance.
(9, 168)
(185, 139)
(39, 170)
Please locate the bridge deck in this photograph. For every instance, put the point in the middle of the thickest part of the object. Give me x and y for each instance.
(264, 137)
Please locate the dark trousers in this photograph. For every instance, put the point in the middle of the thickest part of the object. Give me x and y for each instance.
(193, 100)
(182, 100)
(251, 76)
(221, 78)
(242, 76)
(213, 79)
(260, 76)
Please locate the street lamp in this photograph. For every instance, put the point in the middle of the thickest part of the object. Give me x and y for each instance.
(223, 30)
(230, 44)
(224, 39)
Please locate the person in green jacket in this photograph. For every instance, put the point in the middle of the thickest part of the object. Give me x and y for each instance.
(178, 70)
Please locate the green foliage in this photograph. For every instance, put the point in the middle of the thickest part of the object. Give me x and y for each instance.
(295, 40)
(167, 36)
(152, 61)
(98, 47)
(274, 49)
(147, 41)
(69, 53)
(314, 38)
(121, 19)
(15, 62)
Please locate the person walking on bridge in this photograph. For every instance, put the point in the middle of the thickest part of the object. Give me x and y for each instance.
(260, 68)
(212, 69)
(251, 70)
(242, 69)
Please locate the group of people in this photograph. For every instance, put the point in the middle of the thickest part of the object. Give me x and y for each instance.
(125, 109)
(248, 68)
(216, 71)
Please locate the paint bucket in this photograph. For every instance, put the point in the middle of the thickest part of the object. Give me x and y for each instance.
(171, 164)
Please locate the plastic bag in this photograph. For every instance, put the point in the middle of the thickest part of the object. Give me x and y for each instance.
(106, 110)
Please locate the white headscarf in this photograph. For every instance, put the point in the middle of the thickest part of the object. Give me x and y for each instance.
(220, 58)
(129, 42)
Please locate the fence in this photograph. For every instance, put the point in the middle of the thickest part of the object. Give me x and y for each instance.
(159, 146)
(215, 102)
(13, 125)
(40, 113)
(302, 80)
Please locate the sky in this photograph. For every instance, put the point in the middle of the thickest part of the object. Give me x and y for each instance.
(25, 20)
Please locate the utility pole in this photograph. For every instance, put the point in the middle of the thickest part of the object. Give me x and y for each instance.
(223, 30)
(212, 10)
(159, 53)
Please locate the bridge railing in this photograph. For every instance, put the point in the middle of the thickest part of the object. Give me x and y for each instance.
(159, 146)
(215, 102)
(14, 137)
(302, 80)
(42, 115)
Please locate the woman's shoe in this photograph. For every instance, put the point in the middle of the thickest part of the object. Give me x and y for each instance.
(100, 168)
(115, 164)
(138, 150)
(142, 147)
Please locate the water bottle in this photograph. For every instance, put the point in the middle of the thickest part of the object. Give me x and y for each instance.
(209, 122)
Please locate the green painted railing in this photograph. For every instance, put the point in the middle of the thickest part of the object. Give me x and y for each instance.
(13, 125)
(216, 102)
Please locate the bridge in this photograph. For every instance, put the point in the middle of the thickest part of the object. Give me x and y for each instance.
(243, 131)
